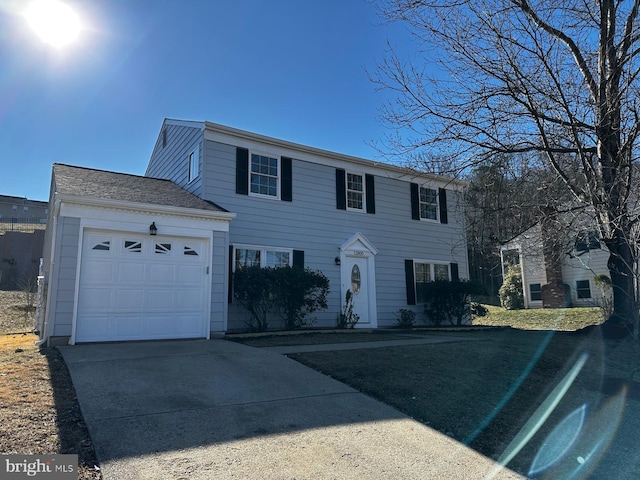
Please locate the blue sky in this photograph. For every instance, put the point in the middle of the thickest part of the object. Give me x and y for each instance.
(291, 69)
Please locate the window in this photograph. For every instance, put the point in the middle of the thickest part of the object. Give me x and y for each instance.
(194, 164)
(428, 272)
(583, 289)
(586, 241)
(106, 245)
(535, 292)
(263, 175)
(189, 251)
(261, 257)
(355, 192)
(428, 203)
(14, 208)
(163, 248)
(25, 209)
(131, 246)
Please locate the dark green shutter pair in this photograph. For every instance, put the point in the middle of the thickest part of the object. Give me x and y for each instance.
(415, 203)
(411, 283)
(242, 175)
(341, 191)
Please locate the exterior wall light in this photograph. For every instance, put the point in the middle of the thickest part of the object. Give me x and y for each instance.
(337, 260)
(153, 230)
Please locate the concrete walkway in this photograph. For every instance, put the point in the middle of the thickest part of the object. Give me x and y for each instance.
(328, 347)
(215, 409)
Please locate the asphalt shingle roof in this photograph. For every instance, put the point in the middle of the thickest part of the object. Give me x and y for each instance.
(87, 182)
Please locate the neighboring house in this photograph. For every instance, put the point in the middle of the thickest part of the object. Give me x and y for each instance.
(376, 229)
(21, 210)
(22, 223)
(577, 264)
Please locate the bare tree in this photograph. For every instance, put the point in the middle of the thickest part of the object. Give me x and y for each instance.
(556, 79)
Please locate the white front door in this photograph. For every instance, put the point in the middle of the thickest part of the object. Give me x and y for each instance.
(357, 275)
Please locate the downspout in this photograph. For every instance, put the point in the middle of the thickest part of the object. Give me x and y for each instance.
(47, 311)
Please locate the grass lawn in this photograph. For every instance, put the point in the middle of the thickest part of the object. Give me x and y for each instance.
(560, 319)
(482, 393)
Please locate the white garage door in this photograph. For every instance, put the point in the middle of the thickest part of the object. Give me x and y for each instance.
(141, 287)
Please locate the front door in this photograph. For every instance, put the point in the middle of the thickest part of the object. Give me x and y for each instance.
(358, 275)
(356, 280)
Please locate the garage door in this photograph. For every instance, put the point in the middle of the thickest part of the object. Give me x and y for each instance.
(141, 287)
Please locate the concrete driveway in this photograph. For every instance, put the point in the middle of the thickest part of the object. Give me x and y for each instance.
(218, 410)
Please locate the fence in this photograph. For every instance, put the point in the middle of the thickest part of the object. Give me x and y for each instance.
(21, 224)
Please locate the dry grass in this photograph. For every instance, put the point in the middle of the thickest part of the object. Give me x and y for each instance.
(558, 319)
(39, 411)
(15, 315)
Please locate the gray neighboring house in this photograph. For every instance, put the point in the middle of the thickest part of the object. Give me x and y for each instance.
(223, 198)
(130, 258)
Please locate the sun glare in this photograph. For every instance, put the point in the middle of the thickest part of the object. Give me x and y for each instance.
(54, 22)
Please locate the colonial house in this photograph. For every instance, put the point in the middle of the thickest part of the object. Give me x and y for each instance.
(134, 258)
(561, 274)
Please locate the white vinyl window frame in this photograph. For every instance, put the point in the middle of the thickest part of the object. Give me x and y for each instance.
(425, 271)
(194, 164)
(355, 191)
(265, 170)
(262, 256)
(427, 204)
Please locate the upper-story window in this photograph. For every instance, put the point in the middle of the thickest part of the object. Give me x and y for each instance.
(355, 191)
(587, 240)
(428, 203)
(194, 164)
(264, 175)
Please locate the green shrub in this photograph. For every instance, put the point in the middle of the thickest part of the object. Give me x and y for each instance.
(479, 310)
(291, 292)
(347, 318)
(405, 318)
(298, 292)
(252, 290)
(447, 301)
(510, 291)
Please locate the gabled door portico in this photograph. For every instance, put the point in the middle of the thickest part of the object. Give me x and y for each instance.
(358, 274)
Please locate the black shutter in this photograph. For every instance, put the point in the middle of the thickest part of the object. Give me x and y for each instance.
(242, 171)
(415, 201)
(341, 189)
(455, 277)
(442, 194)
(370, 193)
(230, 293)
(411, 286)
(298, 259)
(286, 180)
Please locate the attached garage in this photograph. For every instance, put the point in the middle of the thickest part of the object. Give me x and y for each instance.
(108, 275)
(135, 287)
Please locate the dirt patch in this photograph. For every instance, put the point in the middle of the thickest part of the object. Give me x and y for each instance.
(39, 412)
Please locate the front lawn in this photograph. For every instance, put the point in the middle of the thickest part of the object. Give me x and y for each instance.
(560, 319)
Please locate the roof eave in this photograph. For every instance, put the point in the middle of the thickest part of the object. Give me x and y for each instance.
(149, 207)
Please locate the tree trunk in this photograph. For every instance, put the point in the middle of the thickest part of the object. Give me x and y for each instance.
(620, 265)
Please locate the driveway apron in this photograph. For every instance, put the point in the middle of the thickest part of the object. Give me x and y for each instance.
(214, 409)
